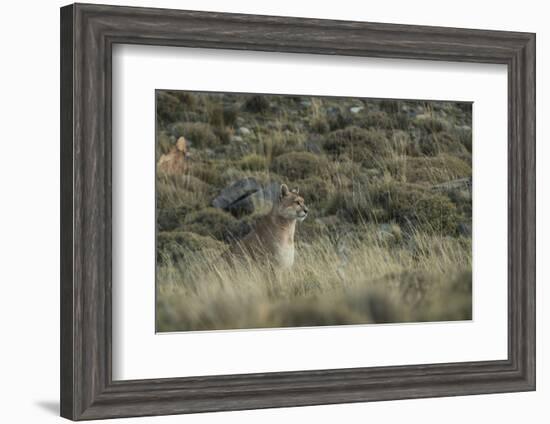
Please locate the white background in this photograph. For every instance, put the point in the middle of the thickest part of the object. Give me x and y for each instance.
(138, 70)
(29, 177)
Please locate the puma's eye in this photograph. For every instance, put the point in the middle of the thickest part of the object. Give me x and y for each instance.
(297, 202)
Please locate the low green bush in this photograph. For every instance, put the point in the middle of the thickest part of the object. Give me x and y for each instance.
(169, 219)
(430, 124)
(429, 170)
(358, 144)
(173, 245)
(464, 135)
(213, 222)
(174, 191)
(299, 165)
(379, 119)
(210, 173)
(257, 104)
(199, 134)
(253, 162)
(230, 115)
(390, 106)
(164, 143)
(416, 207)
(315, 190)
(173, 106)
(168, 107)
(437, 169)
(319, 125)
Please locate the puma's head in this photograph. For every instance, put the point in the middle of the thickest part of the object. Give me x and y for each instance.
(290, 204)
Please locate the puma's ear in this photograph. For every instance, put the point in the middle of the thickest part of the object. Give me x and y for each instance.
(294, 190)
(284, 190)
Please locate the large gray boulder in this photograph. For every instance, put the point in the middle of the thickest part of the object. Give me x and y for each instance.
(247, 196)
(260, 201)
(236, 191)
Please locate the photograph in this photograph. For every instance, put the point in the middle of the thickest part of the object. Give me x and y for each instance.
(303, 211)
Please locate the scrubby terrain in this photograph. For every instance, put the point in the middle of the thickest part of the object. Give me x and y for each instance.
(388, 186)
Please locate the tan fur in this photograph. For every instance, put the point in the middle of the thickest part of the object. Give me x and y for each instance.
(272, 239)
(173, 163)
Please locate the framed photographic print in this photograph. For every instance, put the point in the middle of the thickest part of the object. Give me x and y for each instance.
(263, 211)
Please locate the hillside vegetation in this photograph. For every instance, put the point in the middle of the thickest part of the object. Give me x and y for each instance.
(388, 186)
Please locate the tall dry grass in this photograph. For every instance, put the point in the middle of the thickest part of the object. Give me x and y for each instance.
(367, 277)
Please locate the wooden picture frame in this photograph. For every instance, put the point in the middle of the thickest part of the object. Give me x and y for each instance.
(88, 33)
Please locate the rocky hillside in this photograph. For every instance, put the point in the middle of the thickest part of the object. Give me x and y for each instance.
(402, 165)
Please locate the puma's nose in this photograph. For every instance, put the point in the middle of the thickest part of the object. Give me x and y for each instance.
(305, 209)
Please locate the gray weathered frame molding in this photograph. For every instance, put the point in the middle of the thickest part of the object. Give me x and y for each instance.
(88, 33)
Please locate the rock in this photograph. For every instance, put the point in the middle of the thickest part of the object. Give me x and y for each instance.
(244, 131)
(356, 109)
(238, 190)
(236, 139)
(260, 201)
(246, 196)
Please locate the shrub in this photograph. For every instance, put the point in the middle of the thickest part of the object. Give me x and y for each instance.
(173, 106)
(354, 207)
(173, 245)
(168, 107)
(390, 106)
(430, 124)
(175, 191)
(199, 134)
(445, 141)
(169, 219)
(213, 222)
(310, 230)
(338, 120)
(358, 144)
(229, 116)
(319, 125)
(215, 115)
(223, 134)
(299, 165)
(402, 121)
(164, 142)
(464, 135)
(378, 119)
(277, 142)
(462, 199)
(257, 104)
(253, 162)
(428, 145)
(186, 99)
(433, 170)
(413, 206)
(206, 172)
(315, 189)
